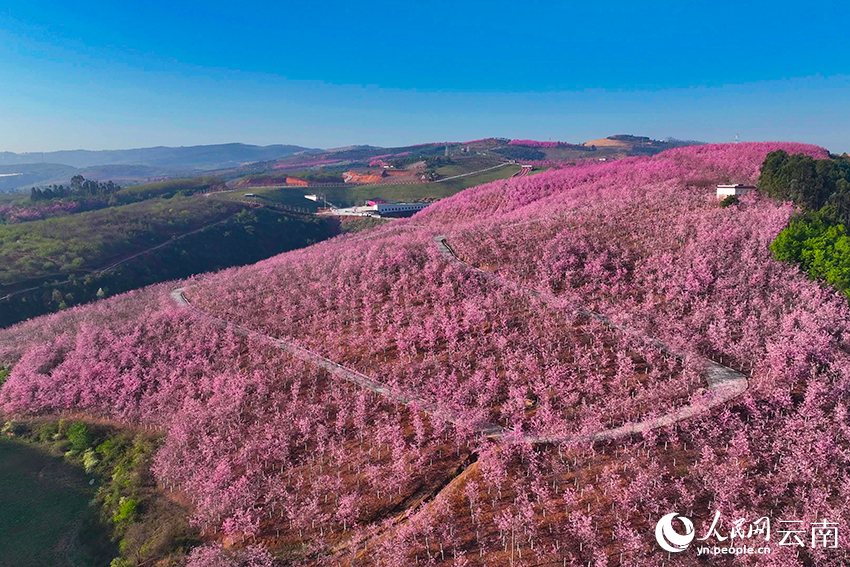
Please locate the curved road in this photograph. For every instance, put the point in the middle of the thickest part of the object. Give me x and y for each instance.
(723, 383)
(484, 428)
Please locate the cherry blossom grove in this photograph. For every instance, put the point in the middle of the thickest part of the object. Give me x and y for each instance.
(283, 462)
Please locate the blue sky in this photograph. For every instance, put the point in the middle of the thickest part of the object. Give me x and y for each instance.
(322, 74)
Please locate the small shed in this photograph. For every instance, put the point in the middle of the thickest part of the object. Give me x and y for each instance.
(736, 189)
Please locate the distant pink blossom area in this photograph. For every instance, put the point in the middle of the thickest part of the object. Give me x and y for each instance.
(12, 214)
(277, 452)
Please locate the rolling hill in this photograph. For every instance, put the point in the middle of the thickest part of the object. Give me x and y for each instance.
(184, 157)
(241, 161)
(523, 373)
(14, 177)
(55, 263)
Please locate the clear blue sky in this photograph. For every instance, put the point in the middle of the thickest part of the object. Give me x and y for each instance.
(100, 75)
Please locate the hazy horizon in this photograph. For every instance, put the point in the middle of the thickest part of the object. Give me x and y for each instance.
(107, 76)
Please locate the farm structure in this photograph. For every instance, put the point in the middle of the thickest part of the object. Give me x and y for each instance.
(380, 208)
(734, 190)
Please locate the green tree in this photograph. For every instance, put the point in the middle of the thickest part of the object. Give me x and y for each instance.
(819, 243)
(728, 201)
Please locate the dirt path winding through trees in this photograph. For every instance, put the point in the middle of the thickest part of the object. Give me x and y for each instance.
(723, 383)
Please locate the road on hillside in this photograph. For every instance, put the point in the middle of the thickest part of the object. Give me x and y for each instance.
(723, 383)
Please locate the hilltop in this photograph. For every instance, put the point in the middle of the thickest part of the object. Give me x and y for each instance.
(472, 385)
(187, 157)
(242, 161)
(637, 145)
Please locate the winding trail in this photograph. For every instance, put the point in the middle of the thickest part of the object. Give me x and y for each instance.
(723, 383)
(359, 379)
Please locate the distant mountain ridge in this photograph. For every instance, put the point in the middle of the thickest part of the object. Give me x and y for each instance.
(142, 165)
(208, 157)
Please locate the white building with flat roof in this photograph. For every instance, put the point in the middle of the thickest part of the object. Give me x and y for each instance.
(398, 208)
(380, 208)
(736, 190)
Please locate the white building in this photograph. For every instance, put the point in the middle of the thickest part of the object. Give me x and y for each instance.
(379, 208)
(398, 208)
(736, 190)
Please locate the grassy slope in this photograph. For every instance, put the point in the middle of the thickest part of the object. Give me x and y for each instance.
(90, 240)
(166, 189)
(346, 196)
(246, 236)
(44, 503)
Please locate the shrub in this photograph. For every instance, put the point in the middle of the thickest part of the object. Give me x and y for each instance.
(13, 428)
(79, 436)
(90, 460)
(47, 432)
(730, 200)
(109, 449)
(126, 512)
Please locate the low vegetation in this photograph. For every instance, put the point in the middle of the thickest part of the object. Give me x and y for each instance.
(166, 189)
(134, 522)
(358, 224)
(53, 264)
(88, 241)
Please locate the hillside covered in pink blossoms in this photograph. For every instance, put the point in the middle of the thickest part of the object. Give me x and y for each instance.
(284, 463)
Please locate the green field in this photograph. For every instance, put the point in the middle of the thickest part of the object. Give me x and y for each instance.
(439, 190)
(45, 514)
(358, 194)
(88, 241)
